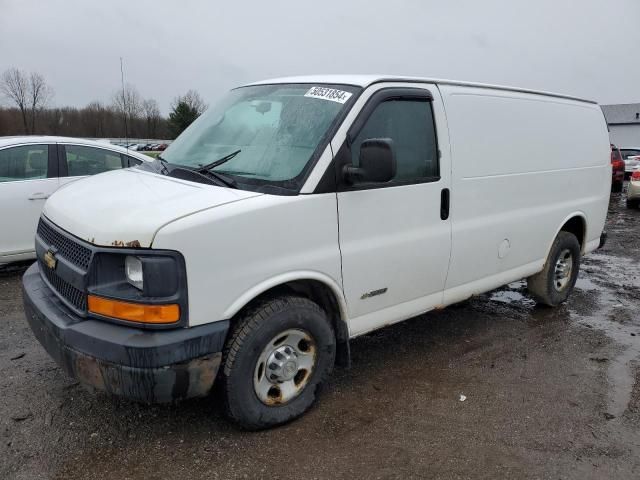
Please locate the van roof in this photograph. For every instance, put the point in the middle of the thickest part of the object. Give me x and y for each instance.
(366, 80)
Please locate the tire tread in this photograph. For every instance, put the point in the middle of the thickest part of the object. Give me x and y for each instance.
(249, 321)
(538, 285)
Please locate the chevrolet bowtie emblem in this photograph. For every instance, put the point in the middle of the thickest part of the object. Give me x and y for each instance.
(50, 260)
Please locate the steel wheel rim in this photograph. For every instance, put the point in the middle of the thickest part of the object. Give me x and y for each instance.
(284, 367)
(563, 270)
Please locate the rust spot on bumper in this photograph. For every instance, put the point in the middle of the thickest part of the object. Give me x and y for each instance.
(141, 366)
(86, 369)
(131, 244)
(152, 385)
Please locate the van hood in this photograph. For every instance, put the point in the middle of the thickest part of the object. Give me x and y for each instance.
(127, 207)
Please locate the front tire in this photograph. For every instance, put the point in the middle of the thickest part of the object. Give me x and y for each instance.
(555, 282)
(280, 352)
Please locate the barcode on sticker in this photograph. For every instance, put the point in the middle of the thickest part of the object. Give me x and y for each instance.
(325, 93)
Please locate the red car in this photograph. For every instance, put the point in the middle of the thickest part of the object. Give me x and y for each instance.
(617, 165)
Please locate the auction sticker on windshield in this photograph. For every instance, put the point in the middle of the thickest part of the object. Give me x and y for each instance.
(325, 93)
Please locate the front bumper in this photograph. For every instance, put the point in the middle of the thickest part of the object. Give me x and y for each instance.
(144, 365)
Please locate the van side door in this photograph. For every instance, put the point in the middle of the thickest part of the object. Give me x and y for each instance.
(395, 237)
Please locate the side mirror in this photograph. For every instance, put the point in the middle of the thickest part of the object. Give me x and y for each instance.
(377, 162)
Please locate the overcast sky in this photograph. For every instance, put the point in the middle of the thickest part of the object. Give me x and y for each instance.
(588, 48)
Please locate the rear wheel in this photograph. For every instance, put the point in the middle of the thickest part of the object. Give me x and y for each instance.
(555, 282)
(278, 355)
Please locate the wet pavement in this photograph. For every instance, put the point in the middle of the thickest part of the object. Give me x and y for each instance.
(492, 388)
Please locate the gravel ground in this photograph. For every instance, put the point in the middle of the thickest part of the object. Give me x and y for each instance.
(548, 393)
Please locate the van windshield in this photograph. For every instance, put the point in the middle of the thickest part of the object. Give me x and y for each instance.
(274, 131)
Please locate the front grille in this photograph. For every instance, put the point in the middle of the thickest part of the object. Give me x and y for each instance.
(71, 250)
(68, 248)
(70, 293)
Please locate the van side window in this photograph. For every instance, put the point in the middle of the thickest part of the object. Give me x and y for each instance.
(410, 124)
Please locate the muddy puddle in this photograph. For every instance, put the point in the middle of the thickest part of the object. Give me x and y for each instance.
(606, 299)
(615, 283)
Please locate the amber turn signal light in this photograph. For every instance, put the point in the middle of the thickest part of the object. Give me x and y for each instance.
(134, 312)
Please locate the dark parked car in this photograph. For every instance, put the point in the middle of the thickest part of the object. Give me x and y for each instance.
(617, 165)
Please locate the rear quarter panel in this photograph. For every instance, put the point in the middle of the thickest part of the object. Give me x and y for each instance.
(522, 164)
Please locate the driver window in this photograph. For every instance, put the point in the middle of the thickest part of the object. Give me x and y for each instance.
(82, 161)
(409, 124)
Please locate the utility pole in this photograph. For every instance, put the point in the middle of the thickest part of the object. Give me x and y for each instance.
(124, 104)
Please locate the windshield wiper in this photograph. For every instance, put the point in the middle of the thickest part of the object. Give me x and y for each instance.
(208, 169)
(203, 171)
(219, 177)
(163, 162)
(220, 161)
(210, 177)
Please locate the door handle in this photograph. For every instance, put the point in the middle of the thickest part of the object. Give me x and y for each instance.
(444, 203)
(38, 196)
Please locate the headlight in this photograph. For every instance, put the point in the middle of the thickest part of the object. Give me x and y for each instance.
(138, 286)
(133, 270)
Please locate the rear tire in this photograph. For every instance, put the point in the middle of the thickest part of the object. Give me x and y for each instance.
(632, 203)
(555, 282)
(616, 187)
(280, 352)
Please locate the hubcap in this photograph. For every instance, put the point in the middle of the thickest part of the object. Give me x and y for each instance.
(563, 270)
(284, 367)
(282, 364)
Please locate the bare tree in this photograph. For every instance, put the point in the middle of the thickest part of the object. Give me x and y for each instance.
(54, 119)
(95, 118)
(128, 102)
(30, 93)
(15, 86)
(39, 94)
(193, 99)
(152, 116)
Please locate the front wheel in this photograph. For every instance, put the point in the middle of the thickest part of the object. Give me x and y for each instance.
(278, 355)
(555, 282)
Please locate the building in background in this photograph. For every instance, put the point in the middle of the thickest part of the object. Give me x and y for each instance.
(624, 124)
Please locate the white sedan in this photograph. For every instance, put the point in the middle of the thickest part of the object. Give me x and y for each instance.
(631, 156)
(631, 164)
(633, 189)
(32, 168)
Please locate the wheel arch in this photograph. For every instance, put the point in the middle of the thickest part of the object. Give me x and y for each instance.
(316, 286)
(575, 223)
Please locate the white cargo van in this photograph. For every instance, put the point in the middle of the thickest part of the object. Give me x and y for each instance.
(302, 212)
